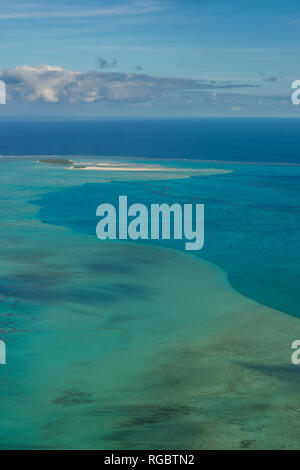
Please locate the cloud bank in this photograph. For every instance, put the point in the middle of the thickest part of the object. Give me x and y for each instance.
(54, 84)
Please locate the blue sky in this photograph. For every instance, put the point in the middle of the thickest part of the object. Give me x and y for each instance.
(149, 57)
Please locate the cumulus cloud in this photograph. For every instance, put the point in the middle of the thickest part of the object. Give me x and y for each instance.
(54, 84)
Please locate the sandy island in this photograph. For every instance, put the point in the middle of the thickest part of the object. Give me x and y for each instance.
(146, 168)
(159, 171)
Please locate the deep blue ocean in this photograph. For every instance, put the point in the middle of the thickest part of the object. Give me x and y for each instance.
(245, 140)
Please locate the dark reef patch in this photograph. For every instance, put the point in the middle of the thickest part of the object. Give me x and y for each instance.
(289, 373)
(108, 268)
(72, 398)
(149, 415)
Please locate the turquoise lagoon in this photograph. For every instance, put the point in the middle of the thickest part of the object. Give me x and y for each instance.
(122, 345)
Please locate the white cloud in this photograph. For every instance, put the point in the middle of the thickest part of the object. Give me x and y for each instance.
(54, 84)
(40, 83)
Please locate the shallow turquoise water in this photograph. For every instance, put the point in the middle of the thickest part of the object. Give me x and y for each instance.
(252, 221)
(130, 346)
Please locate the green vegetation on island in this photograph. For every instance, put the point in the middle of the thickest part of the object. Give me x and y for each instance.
(56, 161)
